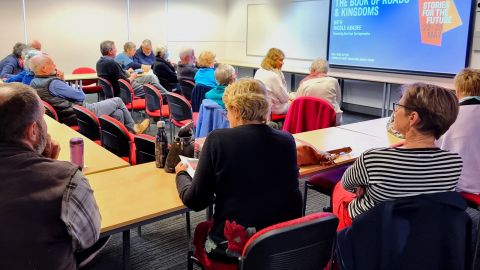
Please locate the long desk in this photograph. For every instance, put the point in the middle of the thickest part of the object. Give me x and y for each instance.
(134, 196)
(96, 158)
(388, 79)
(376, 128)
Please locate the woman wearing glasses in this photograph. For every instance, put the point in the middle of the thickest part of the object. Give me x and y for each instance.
(422, 115)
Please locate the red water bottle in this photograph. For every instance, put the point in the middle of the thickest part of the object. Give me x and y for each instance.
(76, 151)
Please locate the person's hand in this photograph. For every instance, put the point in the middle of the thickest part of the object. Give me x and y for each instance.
(52, 148)
(60, 74)
(180, 167)
(360, 191)
(133, 76)
(130, 70)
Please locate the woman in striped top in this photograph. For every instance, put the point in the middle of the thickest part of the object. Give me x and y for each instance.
(423, 114)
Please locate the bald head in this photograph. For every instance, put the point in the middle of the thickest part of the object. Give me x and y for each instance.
(35, 44)
(42, 65)
(20, 107)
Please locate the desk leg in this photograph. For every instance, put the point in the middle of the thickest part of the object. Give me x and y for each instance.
(342, 85)
(292, 83)
(189, 230)
(388, 97)
(126, 249)
(384, 97)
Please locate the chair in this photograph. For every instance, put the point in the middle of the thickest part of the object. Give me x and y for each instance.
(145, 148)
(473, 201)
(304, 244)
(107, 87)
(70, 121)
(88, 123)
(309, 113)
(198, 95)
(128, 96)
(89, 86)
(211, 116)
(429, 231)
(277, 117)
(155, 106)
(50, 111)
(117, 139)
(180, 112)
(186, 87)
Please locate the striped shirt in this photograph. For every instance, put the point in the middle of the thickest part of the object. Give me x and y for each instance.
(391, 173)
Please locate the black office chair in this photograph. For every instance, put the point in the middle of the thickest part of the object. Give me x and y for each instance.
(186, 87)
(88, 123)
(107, 88)
(144, 148)
(198, 95)
(117, 139)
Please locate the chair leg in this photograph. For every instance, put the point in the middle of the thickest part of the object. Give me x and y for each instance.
(305, 194)
(190, 260)
(139, 230)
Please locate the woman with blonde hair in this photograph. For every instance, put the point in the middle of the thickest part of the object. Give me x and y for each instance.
(271, 75)
(249, 169)
(206, 72)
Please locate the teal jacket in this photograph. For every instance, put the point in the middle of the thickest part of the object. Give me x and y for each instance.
(216, 94)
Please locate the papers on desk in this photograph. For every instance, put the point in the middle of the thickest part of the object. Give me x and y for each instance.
(191, 163)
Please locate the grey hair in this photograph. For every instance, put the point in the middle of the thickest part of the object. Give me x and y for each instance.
(147, 42)
(319, 65)
(160, 51)
(18, 48)
(185, 52)
(224, 73)
(106, 47)
(128, 45)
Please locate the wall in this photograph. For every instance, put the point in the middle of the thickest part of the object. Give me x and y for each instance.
(71, 30)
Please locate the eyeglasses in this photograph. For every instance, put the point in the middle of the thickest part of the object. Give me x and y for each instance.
(397, 106)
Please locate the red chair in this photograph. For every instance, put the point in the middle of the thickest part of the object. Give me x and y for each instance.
(277, 117)
(89, 86)
(309, 113)
(144, 148)
(132, 102)
(302, 244)
(117, 139)
(107, 88)
(155, 106)
(180, 111)
(50, 111)
(88, 123)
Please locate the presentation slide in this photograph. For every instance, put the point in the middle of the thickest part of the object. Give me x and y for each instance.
(417, 36)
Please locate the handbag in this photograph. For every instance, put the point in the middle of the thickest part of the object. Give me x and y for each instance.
(183, 144)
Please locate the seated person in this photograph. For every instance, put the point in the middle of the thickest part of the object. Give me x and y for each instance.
(144, 54)
(48, 211)
(460, 138)
(225, 75)
(164, 70)
(112, 71)
(60, 95)
(205, 73)
(186, 68)
(13, 63)
(422, 115)
(319, 85)
(271, 75)
(125, 59)
(26, 76)
(249, 169)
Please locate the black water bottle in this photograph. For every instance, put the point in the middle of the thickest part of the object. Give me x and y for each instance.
(161, 145)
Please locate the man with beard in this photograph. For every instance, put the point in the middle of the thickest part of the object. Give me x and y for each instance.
(48, 211)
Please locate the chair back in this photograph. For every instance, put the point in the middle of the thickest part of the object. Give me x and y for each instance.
(186, 87)
(49, 110)
(145, 148)
(303, 244)
(153, 98)
(85, 70)
(126, 91)
(309, 113)
(180, 108)
(117, 139)
(107, 87)
(88, 123)
(198, 95)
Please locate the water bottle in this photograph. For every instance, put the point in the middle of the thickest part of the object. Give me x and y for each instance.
(161, 145)
(76, 151)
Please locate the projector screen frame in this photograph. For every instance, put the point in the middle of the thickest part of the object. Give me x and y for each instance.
(468, 49)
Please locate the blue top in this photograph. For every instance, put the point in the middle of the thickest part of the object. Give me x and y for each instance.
(206, 76)
(61, 89)
(142, 59)
(9, 66)
(126, 62)
(17, 78)
(216, 95)
(27, 79)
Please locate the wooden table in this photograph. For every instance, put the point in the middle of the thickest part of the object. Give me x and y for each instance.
(376, 128)
(134, 196)
(96, 158)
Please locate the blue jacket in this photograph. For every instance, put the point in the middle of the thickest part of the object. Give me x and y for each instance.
(126, 62)
(142, 59)
(9, 66)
